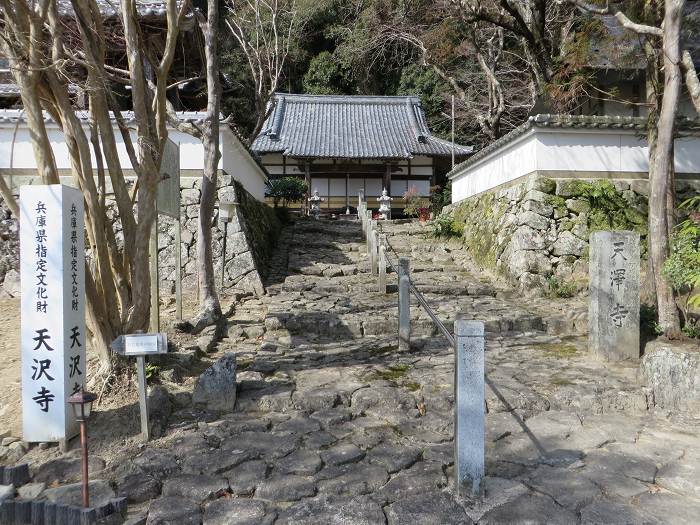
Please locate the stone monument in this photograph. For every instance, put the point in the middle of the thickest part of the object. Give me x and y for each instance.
(384, 205)
(613, 312)
(315, 201)
(52, 262)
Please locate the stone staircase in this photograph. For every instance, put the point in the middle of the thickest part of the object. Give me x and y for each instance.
(327, 285)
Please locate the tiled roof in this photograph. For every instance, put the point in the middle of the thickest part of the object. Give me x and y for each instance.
(347, 127)
(554, 121)
(112, 8)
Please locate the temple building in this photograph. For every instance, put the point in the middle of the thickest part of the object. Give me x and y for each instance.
(342, 145)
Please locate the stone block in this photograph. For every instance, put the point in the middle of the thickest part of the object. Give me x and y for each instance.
(541, 208)
(672, 371)
(533, 220)
(543, 184)
(578, 205)
(613, 314)
(216, 387)
(568, 244)
(526, 238)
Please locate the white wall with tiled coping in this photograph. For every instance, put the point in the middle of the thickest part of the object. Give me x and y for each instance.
(592, 153)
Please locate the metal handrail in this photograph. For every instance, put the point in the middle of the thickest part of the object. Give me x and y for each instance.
(448, 335)
(417, 294)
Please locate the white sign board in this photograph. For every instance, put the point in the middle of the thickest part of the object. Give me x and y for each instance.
(52, 263)
(144, 344)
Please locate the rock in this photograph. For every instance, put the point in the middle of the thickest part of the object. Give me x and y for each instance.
(286, 488)
(30, 490)
(533, 220)
(568, 244)
(530, 509)
(216, 387)
(672, 372)
(394, 457)
(421, 477)
(100, 493)
(195, 487)
(227, 511)
(333, 511)
(268, 346)
(316, 399)
(174, 511)
(243, 478)
(157, 463)
(7, 441)
(614, 513)
(526, 238)
(430, 508)
(137, 488)
(342, 454)
(12, 284)
(385, 402)
(541, 208)
(160, 406)
(299, 425)
(7, 492)
(352, 479)
(302, 462)
(681, 477)
(578, 205)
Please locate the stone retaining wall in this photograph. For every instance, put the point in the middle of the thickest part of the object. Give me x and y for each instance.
(251, 237)
(535, 231)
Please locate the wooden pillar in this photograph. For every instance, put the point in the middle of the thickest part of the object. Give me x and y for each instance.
(307, 179)
(386, 180)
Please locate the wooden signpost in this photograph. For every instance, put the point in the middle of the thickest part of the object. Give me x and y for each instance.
(140, 346)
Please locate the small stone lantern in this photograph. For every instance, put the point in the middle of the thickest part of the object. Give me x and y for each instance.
(315, 201)
(385, 205)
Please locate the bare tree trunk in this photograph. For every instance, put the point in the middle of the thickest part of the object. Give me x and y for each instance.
(210, 308)
(661, 175)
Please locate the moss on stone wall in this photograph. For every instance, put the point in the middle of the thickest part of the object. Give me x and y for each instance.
(538, 230)
(261, 227)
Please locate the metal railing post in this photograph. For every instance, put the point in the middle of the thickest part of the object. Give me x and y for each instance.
(404, 305)
(382, 263)
(469, 407)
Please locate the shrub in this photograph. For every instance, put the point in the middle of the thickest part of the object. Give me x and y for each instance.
(285, 190)
(445, 226)
(559, 288)
(440, 197)
(682, 268)
(413, 202)
(647, 320)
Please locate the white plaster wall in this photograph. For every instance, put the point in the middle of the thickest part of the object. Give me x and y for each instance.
(567, 150)
(514, 160)
(16, 152)
(590, 151)
(238, 162)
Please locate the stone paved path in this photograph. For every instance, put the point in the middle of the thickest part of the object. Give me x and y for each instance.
(334, 426)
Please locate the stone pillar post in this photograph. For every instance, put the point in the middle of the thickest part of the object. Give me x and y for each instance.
(404, 305)
(382, 263)
(613, 312)
(368, 230)
(469, 406)
(374, 259)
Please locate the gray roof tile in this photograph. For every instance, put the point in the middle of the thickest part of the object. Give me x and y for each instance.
(330, 126)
